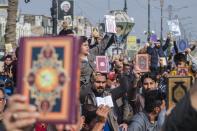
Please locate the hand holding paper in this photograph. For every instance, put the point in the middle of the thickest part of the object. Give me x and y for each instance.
(104, 101)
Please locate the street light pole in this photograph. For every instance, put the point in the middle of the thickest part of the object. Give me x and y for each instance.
(148, 37)
(54, 16)
(125, 6)
(161, 4)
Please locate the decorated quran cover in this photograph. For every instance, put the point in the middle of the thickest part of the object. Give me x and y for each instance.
(177, 89)
(102, 64)
(49, 75)
(182, 45)
(142, 61)
(182, 71)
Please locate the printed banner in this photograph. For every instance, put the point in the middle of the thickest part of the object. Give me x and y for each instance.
(65, 8)
(131, 43)
(174, 27)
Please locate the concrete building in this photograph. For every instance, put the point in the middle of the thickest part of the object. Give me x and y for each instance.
(38, 21)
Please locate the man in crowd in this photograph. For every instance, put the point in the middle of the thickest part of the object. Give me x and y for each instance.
(98, 90)
(64, 30)
(148, 82)
(88, 60)
(146, 120)
(2, 107)
(156, 52)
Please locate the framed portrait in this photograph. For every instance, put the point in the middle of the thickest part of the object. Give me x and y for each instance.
(142, 62)
(182, 71)
(68, 20)
(65, 8)
(102, 64)
(177, 88)
(49, 76)
(163, 60)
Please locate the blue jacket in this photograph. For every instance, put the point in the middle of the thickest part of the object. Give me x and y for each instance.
(154, 52)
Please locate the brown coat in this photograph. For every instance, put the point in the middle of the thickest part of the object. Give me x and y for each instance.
(112, 119)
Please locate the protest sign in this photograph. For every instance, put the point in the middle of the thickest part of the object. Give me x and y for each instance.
(49, 74)
(110, 24)
(174, 27)
(9, 47)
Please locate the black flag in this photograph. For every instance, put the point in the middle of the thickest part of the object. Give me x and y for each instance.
(65, 8)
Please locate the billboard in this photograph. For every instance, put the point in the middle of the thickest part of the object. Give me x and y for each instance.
(131, 43)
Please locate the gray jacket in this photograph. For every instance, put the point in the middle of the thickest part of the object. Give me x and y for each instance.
(88, 66)
(140, 122)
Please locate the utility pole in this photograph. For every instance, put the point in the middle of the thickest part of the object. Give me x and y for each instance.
(109, 5)
(54, 16)
(161, 4)
(125, 6)
(148, 37)
(170, 7)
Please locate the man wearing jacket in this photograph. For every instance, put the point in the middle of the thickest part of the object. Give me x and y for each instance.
(146, 120)
(156, 52)
(98, 90)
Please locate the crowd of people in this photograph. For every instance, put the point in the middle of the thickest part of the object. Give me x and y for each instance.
(139, 98)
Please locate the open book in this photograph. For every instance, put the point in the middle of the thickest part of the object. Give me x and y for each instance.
(104, 101)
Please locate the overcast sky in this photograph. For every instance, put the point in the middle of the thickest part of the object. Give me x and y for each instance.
(96, 9)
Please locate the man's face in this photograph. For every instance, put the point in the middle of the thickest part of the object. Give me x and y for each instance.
(181, 64)
(66, 7)
(126, 69)
(111, 83)
(157, 44)
(8, 61)
(85, 48)
(148, 85)
(119, 69)
(99, 39)
(99, 84)
(64, 25)
(157, 110)
(2, 101)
